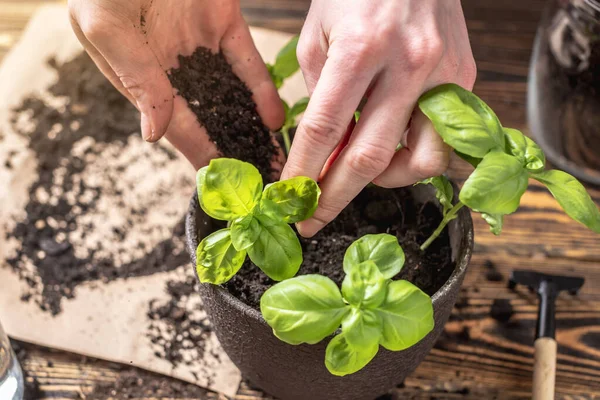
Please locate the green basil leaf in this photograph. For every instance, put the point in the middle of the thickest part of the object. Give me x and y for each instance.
(217, 261)
(525, 150)
(298, 109)
(200, 176)
(286, 63)
(277, 250)
(305, 309)
(572, 197)
(516, 144)
(471, 160)
(292, 200)
(244, 232)
(495, 221)
(406, 314)
(356, 346)
(463, 120)
(496, 185)
(362, 327)
(364, 286)
(444, 191)
(286, 109)
(231, 189)
(356, 115)
(277, 80)
(535, 159)
(382, 249)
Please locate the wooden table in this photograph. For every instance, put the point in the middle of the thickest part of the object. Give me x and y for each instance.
(477, 357)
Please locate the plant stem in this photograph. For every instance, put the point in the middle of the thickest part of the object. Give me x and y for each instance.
(286, 140)
(447, 218)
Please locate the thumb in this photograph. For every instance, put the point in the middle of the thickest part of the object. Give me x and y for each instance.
(128, 54)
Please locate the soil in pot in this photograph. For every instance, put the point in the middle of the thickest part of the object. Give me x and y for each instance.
(375, 210)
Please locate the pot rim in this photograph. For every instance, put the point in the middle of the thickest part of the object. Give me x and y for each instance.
(462, 260)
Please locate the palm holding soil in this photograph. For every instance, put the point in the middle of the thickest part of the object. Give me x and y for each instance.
(135, 42)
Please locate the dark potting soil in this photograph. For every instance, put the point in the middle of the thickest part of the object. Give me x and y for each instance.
(492, 274)
(96, 110)
(224, 106)
(375, 210)
(501, 310)
(178, 329)
(136, 384)
(131, 382)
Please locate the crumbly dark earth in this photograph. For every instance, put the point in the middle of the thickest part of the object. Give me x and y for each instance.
(94, 109)
(177, 330)
(375, 210)
(224, 106)
(132, 383)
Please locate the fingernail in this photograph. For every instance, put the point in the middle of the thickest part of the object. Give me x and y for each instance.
(147, 129)
(309, 228)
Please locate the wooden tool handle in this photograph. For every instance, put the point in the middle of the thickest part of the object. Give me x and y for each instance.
(544, 369)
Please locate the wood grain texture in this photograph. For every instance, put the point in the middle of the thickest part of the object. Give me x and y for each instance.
(477, 357)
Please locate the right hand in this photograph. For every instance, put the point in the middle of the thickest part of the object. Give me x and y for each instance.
(134, 58)
(390, 53)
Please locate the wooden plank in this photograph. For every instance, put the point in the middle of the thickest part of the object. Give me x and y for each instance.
(496, 360)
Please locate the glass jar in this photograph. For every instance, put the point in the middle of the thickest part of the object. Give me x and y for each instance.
(11, 376)
(564, 87)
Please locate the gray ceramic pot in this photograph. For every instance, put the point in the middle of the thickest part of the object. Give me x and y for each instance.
(298, 372)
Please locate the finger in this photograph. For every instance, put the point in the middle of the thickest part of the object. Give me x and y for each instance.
(137, 69)
(338, 150)
(239, 50)
(312, 51)
(186, 134)
(341, 86)
(99, 60)
(425, 156)
(367, 155)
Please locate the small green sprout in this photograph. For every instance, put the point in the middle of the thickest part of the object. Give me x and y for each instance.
(371, 308)
(504, 160)
(232, 190)
(286, 65)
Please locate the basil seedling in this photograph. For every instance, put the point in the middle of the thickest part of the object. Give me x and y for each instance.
(372, 309)
(504, 160)
(286, 65)
(232, 190)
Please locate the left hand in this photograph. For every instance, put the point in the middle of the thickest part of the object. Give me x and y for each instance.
(133, 42)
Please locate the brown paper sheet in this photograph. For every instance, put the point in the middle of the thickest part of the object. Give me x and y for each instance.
(107, 320)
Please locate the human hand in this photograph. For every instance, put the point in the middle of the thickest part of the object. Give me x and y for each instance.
(389, 52)
(134, 42)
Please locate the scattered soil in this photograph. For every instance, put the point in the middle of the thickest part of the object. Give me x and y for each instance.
(492, 274)
(179, 328)
(375, 210)
(131, 382)
(501, 310)
(136, 384)
(56, 251)
(224, 106)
